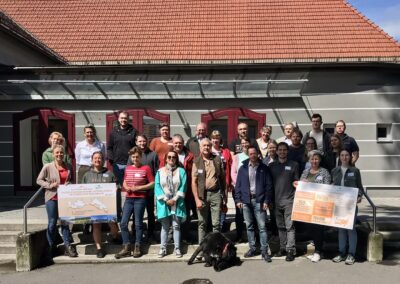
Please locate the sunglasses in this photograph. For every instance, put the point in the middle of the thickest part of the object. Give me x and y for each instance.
(171, 157)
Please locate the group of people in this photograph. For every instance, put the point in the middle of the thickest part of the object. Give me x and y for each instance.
(175, 182)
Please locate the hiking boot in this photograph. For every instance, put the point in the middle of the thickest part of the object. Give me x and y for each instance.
(350, 260)
(125, 252)
(290, 256)
(136, 251)
(339, 258)
(70, 251)
(250, 253)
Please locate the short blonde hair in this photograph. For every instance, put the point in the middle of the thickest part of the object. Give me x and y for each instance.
(59, 134)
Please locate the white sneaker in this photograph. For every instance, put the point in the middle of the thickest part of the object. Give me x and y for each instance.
(178, 253)
(316, 257)
(161, 253)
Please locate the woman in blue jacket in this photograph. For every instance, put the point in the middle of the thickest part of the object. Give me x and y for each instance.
(170, 189)
(347, 175)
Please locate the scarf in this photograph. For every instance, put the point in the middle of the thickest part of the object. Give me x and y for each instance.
(170, 174)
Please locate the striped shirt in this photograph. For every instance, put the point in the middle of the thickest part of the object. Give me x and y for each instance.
(137, 176)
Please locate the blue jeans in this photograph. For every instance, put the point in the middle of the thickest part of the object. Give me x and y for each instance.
(165, 224)
(350, 236)
(52, 215)
(250, 210)
(119, 171)
(133, 206)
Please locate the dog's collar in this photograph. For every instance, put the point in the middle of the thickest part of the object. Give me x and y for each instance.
(225, 248)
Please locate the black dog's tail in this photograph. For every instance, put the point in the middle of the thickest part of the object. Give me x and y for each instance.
(196, 252)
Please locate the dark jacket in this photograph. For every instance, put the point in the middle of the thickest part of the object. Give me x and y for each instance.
(119, 144)
(93, 176)
(326, 140)
(201, 177)
(283, 176)
(236, 147)
(187, 166)
(352, 178)
(194, 146)
(263, 184)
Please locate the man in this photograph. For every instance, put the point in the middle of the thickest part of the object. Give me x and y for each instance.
(321, 136)
(349, 143)
(208, 182)
(186, 159)
(297, 150)
(242, 131)
(253, 192)
(285, 174)
(121, 140)
(193, 144)
(150, 159)
(287, 131)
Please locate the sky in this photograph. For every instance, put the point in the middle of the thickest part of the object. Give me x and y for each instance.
(384, 13)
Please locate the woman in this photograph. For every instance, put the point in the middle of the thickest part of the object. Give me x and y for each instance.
(239, 158)
(316, 174)
(56, 138)
(264, 140)
(226, 158)
(50, 177)
(347, 175)
(138, 179)
(271, 153)
(85, 149)
(161, 145)
(100, 174)
(332, 160)
(170, 189)
(311, 144)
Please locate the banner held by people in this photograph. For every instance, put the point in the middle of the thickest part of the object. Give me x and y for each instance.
(87, 203)
(324, 204)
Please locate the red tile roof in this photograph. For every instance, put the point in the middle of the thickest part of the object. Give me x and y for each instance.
(142, 31)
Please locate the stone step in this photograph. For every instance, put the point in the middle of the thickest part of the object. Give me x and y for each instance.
(390, 236)
(17, 225)
(8, 236)
(7, 248)
(6, 258)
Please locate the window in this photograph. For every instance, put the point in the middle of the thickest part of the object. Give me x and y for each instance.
(384, 132)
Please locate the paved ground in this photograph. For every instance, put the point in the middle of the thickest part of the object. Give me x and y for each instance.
(300, 271)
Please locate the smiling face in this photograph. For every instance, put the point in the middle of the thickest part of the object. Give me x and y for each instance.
(282, 152)
(288, 130)
(141, 142)
(58, 154)
(315, 160)
(172, 158)
(253, 155)
(216, 141)
(205, 148)
(97, 160)
(242, 130)
(271, 150)
(164, 132)
(335, 142)
(245, 146)
(177, 144)
(136, 158)
(201, 130)
(89, 134)
(55, 139)
(123, 119)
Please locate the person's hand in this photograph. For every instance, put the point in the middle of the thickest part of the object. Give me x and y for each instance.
(171, 202)
(54, 185)
(199, 204)
(265, 206)
(295, 183)
(239, 205)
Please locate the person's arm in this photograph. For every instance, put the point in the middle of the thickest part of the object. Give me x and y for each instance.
(234, 170)
(46, 158)
(199, 203)
(150, 180)
(110, 148)
(78, 153)
(327, 177)
(43, 181)
(238, 191)
(158, 191)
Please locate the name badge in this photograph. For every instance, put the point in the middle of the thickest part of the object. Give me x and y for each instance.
(105, 175)
(351, 175)
(138, 175)
(200, 171)
(319, 178)
(288, 168)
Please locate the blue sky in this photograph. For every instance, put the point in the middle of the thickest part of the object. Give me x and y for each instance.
(384, 13)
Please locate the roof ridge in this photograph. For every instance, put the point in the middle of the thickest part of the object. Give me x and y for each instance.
(371, 23)
(14, 27)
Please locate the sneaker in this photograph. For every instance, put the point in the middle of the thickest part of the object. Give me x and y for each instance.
(100, 253)
(266, 257)
(250, 253)
(162, 253)
(339, 258)
(316, 257)
(290, 256)
(350, 260)
(178, 253)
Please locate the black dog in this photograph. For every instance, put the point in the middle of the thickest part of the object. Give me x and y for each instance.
(218, 251)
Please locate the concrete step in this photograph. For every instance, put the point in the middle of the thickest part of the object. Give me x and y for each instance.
(16, 225)
(8, 236)
(390, 235)
(6, 258)
(7, 248)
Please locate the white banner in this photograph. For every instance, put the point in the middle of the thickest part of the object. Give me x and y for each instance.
(87, 203)
(324, 204)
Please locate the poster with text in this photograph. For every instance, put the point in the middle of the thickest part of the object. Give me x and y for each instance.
(324, 204)
(87, 203)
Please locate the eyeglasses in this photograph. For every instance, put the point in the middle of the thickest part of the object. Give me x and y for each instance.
(171, 157)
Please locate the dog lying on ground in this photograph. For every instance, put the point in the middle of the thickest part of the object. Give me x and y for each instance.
(218, 251)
